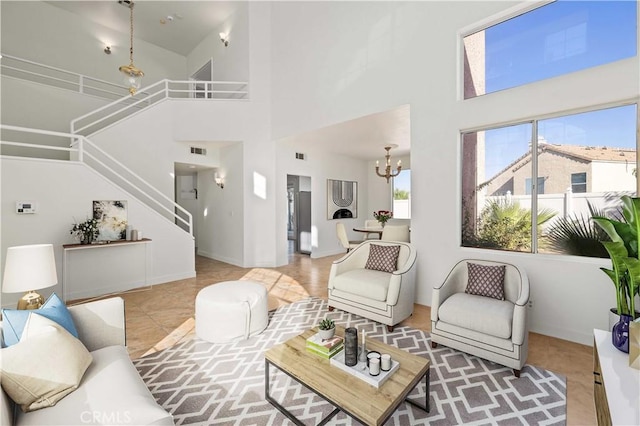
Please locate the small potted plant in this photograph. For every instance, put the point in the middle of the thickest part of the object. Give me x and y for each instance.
(382, 216)
(327, 328)
(86, 231)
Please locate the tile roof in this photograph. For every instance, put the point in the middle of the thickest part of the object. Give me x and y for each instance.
(592, 153)
(584, 153)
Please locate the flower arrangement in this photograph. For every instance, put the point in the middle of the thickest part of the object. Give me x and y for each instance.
(86, 231)
(382, 216)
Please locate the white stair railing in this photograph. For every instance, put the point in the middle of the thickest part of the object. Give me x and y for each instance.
(88, 153)
(165, 89)
(24, 69)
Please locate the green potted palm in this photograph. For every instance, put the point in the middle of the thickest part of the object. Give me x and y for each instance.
(625, 261)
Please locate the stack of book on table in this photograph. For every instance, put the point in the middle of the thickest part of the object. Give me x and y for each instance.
(324, 348)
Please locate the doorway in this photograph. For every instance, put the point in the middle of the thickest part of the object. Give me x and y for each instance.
(186, 194)
(299, 214)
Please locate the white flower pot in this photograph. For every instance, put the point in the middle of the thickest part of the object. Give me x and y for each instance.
(327, 334)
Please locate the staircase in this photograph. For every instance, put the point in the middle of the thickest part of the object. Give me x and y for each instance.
(77, 146)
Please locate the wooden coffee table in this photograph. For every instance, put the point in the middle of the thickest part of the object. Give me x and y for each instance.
(355, 397)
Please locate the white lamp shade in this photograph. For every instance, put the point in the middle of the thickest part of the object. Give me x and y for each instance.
(29, 268)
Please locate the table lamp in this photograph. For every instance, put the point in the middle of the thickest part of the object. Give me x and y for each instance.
(29, 268)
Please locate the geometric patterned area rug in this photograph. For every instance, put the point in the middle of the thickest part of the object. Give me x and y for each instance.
(203, 383)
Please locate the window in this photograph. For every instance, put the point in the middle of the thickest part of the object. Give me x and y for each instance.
(552, 40)
(498, 169)
(402, 195)
(527, 189)
(578, 182)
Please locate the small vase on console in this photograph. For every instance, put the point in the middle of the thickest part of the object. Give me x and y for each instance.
(620, 333)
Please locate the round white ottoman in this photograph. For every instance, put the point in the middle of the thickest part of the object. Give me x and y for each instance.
(231, 310)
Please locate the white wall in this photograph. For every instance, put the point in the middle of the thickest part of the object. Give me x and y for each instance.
(230, 63)
(64, 193)
(38, 31)
(337, 60)
(28, 104)
(220, 219)
(319, 166)
(380, 193)
(334, 61)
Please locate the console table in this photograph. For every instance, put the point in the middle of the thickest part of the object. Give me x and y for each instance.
(96, 269)
(616, 386)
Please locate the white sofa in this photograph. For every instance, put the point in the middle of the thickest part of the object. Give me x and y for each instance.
(381, 296)
(489, 328)
(111, 391)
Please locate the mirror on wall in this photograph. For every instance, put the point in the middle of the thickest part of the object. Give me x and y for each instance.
(342, 199)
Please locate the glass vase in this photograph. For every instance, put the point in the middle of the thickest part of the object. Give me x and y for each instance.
(620, 333)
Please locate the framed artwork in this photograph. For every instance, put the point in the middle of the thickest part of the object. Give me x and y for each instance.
(342, 199)
(112, 219)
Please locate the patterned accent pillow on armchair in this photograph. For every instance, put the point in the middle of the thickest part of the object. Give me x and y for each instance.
(383, 258)
(486, 280)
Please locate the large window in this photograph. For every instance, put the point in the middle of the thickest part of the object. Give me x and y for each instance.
(402, 195)
(581, 164)
(552, 40)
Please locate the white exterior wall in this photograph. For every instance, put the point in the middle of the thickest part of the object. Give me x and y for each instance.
(608, 177)
(64, 193)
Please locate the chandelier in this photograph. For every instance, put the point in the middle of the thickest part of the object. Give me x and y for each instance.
(132, 75)
(388, 174)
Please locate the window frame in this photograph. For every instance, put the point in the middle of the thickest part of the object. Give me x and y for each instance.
(534, 161)
(585, 180)
(505, 15)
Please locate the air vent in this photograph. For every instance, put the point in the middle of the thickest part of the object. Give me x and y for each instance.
(198, 151)
(299, 156)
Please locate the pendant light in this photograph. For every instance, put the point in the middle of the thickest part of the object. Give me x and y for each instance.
(132, 75)
(388, 174)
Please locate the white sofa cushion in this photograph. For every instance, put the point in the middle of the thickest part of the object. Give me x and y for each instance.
(111, 392)
(482, 314)
(44, 366)
(364, 282)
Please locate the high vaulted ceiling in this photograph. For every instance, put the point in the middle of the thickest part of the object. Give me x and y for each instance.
(186, 23)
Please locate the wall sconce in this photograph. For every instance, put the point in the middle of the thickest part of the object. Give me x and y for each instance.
(224, 38)
(107, 50)
(219, 181)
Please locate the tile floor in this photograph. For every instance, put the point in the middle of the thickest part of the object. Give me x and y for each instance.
(163, 315)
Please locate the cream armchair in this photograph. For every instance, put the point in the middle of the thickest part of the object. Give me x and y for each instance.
(492, 329)
(386, 297)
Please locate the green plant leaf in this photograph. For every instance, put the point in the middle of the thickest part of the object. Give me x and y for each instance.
(633, 266)
(609, 226)
(618, 253)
